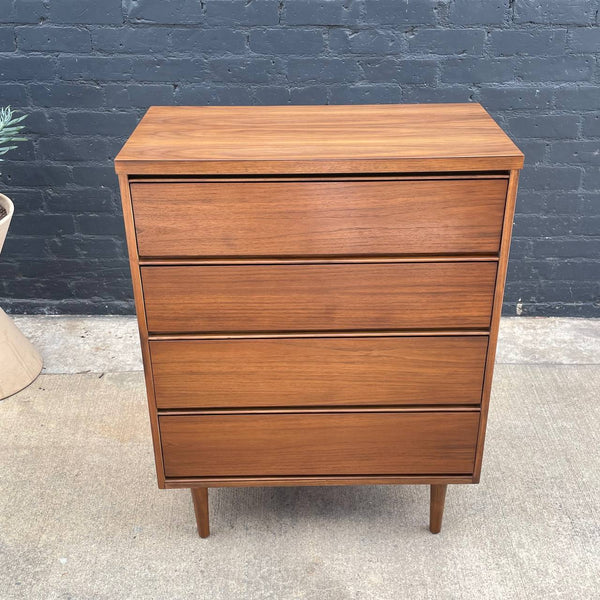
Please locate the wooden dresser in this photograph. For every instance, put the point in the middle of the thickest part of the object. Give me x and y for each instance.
(318, 291)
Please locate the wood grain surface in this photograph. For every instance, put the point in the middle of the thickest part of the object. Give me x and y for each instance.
(496, 313)
(319, 444)
(318, 297)
(381, 138)
(332, 218)
(318, 371)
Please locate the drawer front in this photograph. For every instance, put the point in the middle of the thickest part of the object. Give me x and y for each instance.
(319, 444)
(433, 216)
(379, 296)
(318, 371)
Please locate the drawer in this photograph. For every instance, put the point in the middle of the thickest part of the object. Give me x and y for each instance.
(361, 217)
(341, 296)
(318, 371)
(364, 443)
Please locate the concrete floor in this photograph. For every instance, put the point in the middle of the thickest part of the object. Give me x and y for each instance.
(82, 518)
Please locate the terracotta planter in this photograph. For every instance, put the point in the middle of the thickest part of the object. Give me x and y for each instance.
(8, 206)
(20, 362)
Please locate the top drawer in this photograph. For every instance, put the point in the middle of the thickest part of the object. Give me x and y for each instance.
(318, 218)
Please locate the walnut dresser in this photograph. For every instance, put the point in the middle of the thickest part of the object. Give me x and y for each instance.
(318, 290)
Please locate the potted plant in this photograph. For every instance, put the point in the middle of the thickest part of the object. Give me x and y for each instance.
(20, 362)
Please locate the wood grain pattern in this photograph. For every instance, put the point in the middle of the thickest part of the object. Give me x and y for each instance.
(309, 444)
(318, 297)
(319, 291)
(436, 507)
(318, 372)
(200, 500)
(319, 218)
(262, 140)
(307, 480)
(496, 313)
(142, 326)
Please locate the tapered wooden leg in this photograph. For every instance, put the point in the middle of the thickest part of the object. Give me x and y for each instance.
(436, 507)
(200, 498)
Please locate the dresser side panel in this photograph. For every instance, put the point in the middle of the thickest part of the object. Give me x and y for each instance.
(496, 313)
(138, 295)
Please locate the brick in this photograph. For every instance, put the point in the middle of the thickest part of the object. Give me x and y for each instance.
(73, 149)
(585, 40)
(562, 68)
(33, 68)
(591, 126)
(520, 248)
(321, 12)
(453, 93)
(565, 292)
(551, 178)
(447, 41)
(575, 152)
(168, 69)
(67, 95)
(366, 94)
(569, 270)
(95, 68)
(534, 150)
(242, 13)
(222, 94)
(79, 201)
(95, 247)
(100, 224)
(527, 43)
(35, 175)
(23, 248)
(213, 40)
(322, 70)
(591, 180)
(568, 203)
(165, 13)
(7, 39)
(398, 71)
(567, 248)
(585, 97)
(478, 12)
(130, 40)
(23, 151)
(287, 41)
(28, 201)
(368, 41)
(544, 126)
(477, 70)
(14, 95)
(248, 70)
(271, 95)
(101, 123)
(44, 122)
(24, 11)
(400, 12)
(90, 176)
(143, 95)
(502, 98)
(42, 225)
(53, 39)
(555, 12)
(86, 11)
(315, 94)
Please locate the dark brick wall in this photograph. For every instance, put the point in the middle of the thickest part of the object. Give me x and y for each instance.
(86, 70)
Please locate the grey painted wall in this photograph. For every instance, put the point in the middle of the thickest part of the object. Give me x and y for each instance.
(86, 70)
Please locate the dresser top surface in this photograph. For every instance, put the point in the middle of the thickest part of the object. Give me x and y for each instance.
(317, 139)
